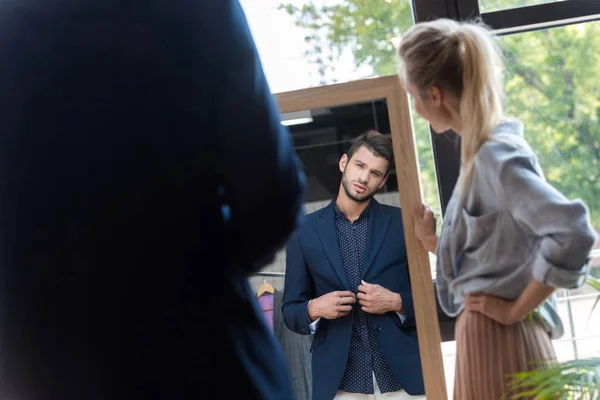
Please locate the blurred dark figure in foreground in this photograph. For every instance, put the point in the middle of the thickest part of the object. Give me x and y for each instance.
(145, 173)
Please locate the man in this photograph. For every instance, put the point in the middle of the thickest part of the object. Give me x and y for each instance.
(347, 283)
(141, 151)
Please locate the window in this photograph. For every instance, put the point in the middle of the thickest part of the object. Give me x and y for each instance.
(552, 82)
(553, 86)
(290, 58)
(318, 42)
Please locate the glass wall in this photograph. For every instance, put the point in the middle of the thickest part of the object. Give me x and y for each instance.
(319, 42)
(553, 86)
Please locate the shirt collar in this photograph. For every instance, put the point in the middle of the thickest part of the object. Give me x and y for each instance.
(339, 214)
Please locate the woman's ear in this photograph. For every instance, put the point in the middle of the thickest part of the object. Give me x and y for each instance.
(436, 95)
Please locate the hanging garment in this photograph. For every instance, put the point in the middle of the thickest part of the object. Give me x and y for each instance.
(266, 304)
(296, 350)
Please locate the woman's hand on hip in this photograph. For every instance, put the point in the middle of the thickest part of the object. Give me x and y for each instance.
(496, 308)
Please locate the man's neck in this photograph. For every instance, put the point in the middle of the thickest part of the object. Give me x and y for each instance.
(351, 208)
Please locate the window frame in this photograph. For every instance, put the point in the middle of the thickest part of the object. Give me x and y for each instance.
(446, 148)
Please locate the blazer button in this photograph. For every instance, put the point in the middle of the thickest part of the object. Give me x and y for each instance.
(378, 328)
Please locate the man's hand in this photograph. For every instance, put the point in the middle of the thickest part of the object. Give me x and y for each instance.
(331, 305)
(376, 299)
(496, 308)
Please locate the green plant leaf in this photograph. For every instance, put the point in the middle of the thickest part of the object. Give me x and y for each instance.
(594, 282)
(571, 380)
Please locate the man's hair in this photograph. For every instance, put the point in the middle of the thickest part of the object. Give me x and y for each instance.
(376, 143)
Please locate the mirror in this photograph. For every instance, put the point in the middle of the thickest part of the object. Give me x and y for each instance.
(323, 123)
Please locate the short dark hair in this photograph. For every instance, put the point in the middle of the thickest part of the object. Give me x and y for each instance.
(377, 143)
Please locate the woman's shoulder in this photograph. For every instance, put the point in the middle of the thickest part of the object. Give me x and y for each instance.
(506, 146)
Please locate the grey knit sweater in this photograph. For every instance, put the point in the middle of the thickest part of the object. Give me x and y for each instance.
(510, 226)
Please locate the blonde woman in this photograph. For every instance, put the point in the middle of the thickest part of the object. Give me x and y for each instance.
(509, 238)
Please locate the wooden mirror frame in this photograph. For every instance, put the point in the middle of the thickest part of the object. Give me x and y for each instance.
(407, 173)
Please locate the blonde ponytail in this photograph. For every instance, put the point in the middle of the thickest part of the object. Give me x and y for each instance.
(465, 60)
(482, 95)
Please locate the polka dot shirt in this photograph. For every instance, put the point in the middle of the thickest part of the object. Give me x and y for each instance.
(365, 357)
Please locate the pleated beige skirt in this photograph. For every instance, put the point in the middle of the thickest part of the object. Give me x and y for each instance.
(488, 353)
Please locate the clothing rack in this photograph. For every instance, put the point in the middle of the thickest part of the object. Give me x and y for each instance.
(269, 273)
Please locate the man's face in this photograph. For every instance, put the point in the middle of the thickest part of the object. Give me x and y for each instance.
(363, 175)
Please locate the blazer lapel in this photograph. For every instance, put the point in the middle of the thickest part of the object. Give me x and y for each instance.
(379, 222)
(328, 235)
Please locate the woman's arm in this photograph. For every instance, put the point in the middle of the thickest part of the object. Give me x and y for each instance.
(508, 312)
(562, 226)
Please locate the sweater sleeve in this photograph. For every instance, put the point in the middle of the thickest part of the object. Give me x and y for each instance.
(562, 226)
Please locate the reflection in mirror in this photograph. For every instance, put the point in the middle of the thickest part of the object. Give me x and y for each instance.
(321, 136)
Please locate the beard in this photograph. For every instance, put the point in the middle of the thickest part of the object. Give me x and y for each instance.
(359, 198)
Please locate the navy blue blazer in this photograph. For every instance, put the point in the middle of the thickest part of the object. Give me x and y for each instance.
(314, 268)
(141, 152)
